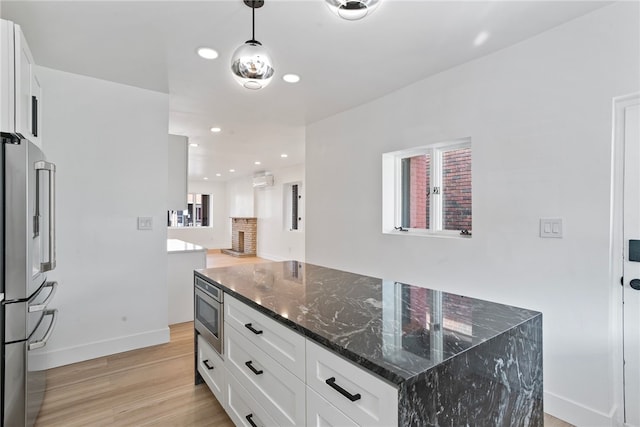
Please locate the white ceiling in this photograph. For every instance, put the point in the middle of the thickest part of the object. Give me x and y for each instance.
(151, 44)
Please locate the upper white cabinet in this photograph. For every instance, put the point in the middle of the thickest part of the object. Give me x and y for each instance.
(20, 87)
(178, 158)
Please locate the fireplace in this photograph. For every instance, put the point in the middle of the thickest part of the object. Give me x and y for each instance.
(244, 233)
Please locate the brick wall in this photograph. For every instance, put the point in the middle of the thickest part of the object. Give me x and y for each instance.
(249, 227)
(456, 189)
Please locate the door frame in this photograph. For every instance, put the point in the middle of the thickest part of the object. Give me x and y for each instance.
(616, 249)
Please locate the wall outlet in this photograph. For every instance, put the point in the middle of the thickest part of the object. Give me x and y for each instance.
(551, 228)
(145, 223)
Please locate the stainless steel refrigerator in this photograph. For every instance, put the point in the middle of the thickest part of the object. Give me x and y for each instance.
(28, 253)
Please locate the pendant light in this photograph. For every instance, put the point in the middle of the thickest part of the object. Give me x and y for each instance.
(251, 64)
(352, 10)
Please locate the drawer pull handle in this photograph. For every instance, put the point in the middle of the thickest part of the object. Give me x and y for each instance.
(352, 397)
(249, 418)
(252, 329)
(254, 370)
(206, 363)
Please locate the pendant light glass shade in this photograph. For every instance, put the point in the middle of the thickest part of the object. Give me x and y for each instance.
(251, 65)
(352, 10)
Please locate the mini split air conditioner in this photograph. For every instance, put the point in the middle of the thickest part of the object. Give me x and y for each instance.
(262, 181)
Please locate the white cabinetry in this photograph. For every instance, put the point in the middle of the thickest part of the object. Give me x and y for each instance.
(178, 159)
(272, 386)
(276, 376)
(278, 341)
(365, 399)
(212, 369)
(243, 409)
(20, 87)
(321, 413)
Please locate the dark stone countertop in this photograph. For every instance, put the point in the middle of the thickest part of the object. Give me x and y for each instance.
(395, 330)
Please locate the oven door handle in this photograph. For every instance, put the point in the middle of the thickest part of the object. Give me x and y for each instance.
(40, 307)
(41, 343)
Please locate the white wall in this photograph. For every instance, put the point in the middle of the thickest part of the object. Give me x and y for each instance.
(274, 241)
(217, 236)
(109, 142)
(539, 116)
(240, 198)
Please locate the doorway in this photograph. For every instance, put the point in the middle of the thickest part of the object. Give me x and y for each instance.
(626, 248)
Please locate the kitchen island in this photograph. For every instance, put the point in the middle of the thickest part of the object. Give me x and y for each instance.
(447, 359)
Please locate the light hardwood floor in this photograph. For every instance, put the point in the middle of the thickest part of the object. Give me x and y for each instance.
(147, 387)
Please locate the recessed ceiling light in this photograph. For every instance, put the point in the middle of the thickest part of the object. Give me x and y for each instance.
(205, 178)
(291, 78)
(283, 155)
(218, 174)
(215, 129)
(481, 38)
(193, 144)
(207, 53)
(232, 170)
(256, 163)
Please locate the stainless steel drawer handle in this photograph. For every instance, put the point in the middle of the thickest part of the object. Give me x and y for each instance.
(206, 363)
(250, 420)
(47, 335)
(45, 303)
(254, 370)
(250, 327)
(352, 397)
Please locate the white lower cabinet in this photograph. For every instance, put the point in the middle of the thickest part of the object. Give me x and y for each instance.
(213, 371)
(321, 413)
(365, 399)
(243, 409)
(281, 343)
(270, 378)
(273, 387)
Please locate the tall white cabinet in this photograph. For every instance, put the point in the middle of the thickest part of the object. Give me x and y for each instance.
(20, 89)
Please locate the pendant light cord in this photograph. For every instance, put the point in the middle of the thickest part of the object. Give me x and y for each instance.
(253, 23)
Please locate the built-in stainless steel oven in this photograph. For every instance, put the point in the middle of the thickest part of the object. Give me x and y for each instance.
(209, 312)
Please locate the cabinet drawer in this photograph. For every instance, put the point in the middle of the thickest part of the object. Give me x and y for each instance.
(212, 369)
(283, 344)
(321, 413)
(277, 390)
(243, 409)
(373, 402)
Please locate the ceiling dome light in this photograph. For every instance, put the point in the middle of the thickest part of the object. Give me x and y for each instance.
(207, 53)
(251, 64)
(291, 78)
(352, 10)
(215, 129)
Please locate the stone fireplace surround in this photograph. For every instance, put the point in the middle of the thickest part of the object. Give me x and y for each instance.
(244, 234)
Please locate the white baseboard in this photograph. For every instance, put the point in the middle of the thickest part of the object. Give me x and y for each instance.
(577, 414)
(270, 257)
(43, 359)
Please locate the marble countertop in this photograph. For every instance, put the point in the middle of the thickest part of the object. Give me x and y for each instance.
(180, 246)
(397, 331)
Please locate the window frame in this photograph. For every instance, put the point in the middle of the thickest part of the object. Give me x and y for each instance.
(288, 202)
(195, 205)
(392, 191)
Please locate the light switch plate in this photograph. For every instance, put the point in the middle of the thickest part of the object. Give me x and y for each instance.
(145, 223)
(551, 228)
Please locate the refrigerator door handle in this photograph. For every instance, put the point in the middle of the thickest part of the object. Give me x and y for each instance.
(41, 343)
(51, 168)
(43, 305)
